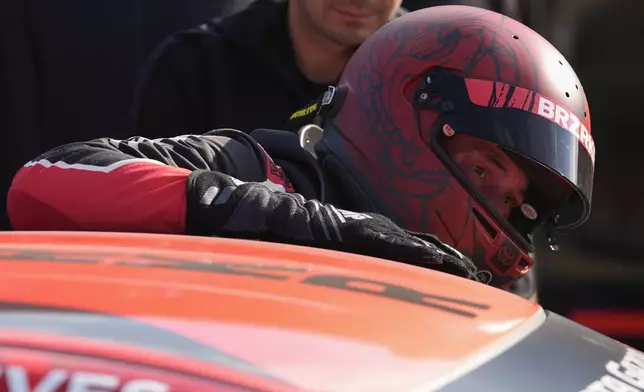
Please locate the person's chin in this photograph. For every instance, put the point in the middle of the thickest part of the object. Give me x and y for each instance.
(351, 36)
(351, 42)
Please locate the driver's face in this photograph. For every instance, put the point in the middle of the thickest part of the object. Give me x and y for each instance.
(490, 170)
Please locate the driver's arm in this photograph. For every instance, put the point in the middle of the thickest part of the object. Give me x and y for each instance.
(136, 185)
(220, 184)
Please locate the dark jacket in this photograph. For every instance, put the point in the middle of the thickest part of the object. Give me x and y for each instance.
(238, 72)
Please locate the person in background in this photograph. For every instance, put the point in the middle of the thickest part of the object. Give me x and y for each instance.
(254, 68)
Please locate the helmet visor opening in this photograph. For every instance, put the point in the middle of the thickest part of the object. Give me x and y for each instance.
(558, 160)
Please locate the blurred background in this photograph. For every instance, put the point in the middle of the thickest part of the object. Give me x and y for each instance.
(72, 65)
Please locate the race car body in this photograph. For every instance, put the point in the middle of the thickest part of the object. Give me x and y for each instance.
(159, 313)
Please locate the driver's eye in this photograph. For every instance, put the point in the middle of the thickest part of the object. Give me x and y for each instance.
(480, 171)
(511, 200)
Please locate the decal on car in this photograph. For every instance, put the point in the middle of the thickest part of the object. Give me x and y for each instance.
(626, 375)
(304, 276)
(14, 378)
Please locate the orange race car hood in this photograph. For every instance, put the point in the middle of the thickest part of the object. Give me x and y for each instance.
(304, 318)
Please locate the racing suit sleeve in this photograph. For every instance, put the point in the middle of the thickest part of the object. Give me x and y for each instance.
(133, 185)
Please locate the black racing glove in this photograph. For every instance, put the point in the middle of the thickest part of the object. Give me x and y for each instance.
(224, 206)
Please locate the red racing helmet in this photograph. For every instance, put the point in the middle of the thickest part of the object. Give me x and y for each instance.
(455, 70)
